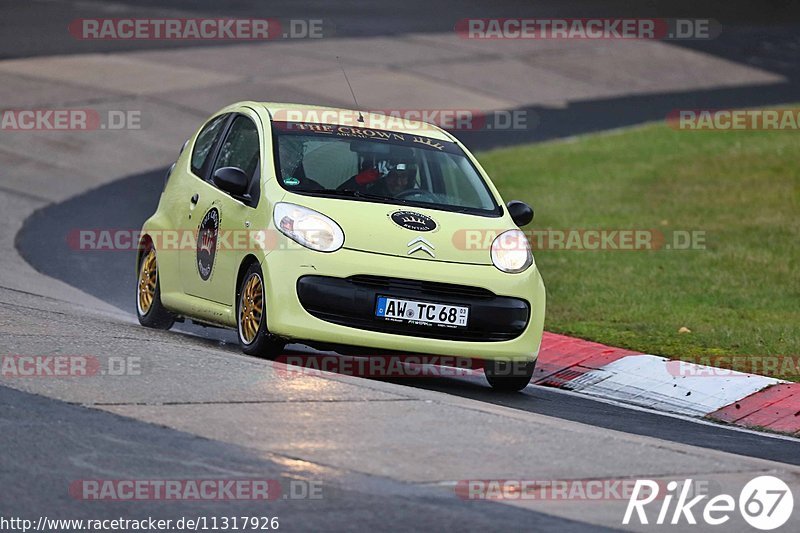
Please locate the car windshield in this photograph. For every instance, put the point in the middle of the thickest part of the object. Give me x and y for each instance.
(379, 166)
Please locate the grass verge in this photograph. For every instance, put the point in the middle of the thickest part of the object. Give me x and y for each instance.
(739, 295)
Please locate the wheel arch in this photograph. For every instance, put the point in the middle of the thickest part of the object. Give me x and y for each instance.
(247, 261)
(145, 243)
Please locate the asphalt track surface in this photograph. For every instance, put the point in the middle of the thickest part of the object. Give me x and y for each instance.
(767, 38)
(45, 242)
(765, 35)
(43, 432)
(36, 27)
(170, 453)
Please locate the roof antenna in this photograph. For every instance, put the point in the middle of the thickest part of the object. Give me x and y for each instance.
(360, 116)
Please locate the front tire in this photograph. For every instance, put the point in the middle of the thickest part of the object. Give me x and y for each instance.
(149, 309)
(509, 376)
(251, 317)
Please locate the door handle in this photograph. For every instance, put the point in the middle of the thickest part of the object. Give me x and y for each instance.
(195, 198)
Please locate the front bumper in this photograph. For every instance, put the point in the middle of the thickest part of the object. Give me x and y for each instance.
(330, 298)
(351, 302)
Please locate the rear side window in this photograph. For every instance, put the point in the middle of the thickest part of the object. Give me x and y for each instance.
(205, 141)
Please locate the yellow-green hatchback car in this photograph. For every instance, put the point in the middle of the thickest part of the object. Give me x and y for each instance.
(332, 228)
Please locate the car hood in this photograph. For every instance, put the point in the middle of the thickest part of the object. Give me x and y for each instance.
(404, 231)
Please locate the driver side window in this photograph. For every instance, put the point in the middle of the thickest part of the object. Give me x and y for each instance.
(205, 142)
(240, 149)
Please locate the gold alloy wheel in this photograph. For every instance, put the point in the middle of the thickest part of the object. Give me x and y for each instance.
(251, 308)
(148, 277)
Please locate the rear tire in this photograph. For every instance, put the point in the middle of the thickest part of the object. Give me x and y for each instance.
(149, 309)
(251, 317)
(509, 376)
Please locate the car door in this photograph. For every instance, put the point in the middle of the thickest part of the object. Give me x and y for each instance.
(222, 221)
(194, 198)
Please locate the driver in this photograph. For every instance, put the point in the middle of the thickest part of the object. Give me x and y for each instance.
(398, 176)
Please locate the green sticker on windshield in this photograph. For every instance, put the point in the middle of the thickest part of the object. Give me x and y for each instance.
(291, 181)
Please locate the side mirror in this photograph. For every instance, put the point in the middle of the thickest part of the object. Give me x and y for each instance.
(521, 213)
(232, 180)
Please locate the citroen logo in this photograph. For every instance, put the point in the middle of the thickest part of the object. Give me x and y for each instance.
(420, 244)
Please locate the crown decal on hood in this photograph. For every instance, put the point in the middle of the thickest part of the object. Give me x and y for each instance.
(413, 221)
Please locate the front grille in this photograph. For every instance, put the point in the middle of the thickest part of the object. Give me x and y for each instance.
(432, 288)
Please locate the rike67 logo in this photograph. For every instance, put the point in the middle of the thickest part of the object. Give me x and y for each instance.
(765, 503)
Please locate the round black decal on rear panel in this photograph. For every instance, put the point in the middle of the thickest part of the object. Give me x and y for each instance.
(207, 243)
(413, 221)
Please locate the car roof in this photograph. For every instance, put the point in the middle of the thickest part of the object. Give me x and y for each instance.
(391, 121)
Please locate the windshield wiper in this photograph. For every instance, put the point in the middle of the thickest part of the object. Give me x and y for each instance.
(352, 193)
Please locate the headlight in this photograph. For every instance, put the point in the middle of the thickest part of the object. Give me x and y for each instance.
(308, 227)
(511, 252)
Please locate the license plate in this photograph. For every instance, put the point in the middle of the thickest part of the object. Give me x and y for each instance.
(422, 313)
